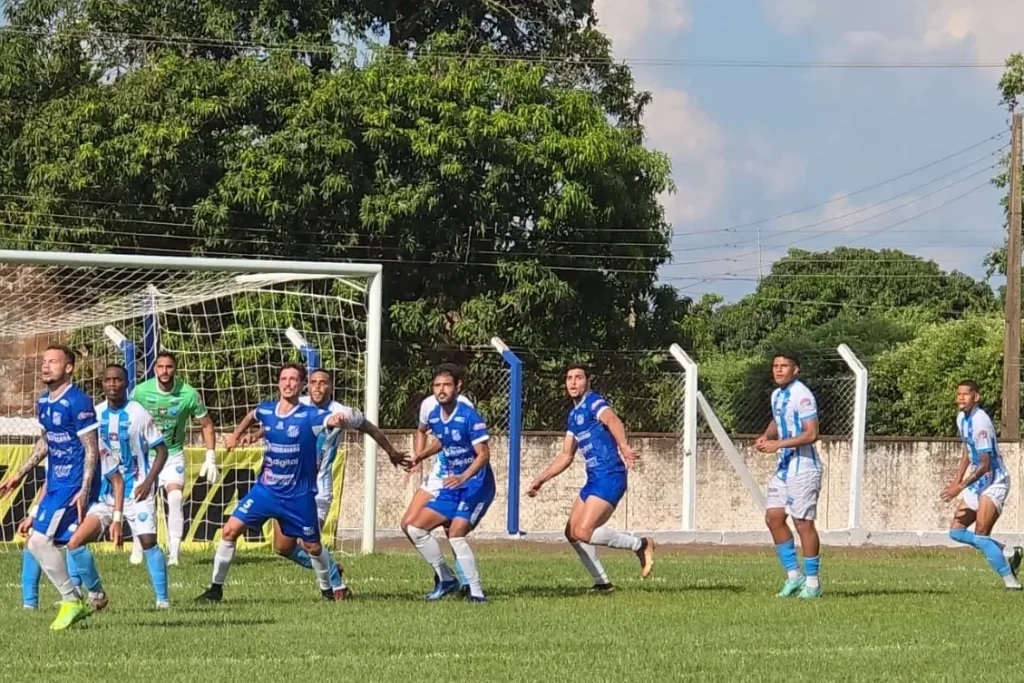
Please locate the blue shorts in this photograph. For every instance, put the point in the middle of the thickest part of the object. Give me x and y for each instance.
(297, 516)
(608, 487)
(469, 503)
(57, 517)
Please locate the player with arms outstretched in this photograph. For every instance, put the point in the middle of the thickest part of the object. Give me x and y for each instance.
(434, 481)
(321, 396)
(596, 431)
(172, 403)
(985, 491)
(286, 488)
(469, 488)
(69, 441)
(793, 490)
(127, 433)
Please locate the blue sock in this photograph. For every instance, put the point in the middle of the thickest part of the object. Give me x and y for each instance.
(993, 552)
(83, 559)
(458, 572)
(336, 580)
(301, 558)
(965, 536)
(812, 565)
(156, 564)
(76, 580)
(787, 556)
(31, 572)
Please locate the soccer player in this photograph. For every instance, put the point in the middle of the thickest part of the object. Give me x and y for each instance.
(468, 487)
(173, 402)
(31, 572)
(67, 418)
(985, 491)
(321, 396)
(434, 481)
(794, 488)
(286, 488)
(596, 431)
(127, 433)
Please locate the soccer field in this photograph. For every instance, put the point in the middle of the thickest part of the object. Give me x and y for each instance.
(706, 613)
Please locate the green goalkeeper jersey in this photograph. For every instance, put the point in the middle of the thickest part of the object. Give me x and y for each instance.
(171, 411)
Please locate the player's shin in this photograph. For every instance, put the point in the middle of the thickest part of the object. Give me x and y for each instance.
(156, 565)
(588, 556)
(608, 536)
(786, 552)
(322, 566)
(466, 558)
(86, 565)
(993, 552)
(175, 524)
(53, 565)
(430, 549)
(222, 560)
(76, 578)
(31, 572)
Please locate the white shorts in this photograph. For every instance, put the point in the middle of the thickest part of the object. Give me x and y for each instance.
(141, 515)
(798, 494)
(997, 492)
(173, 471)
(433, 483)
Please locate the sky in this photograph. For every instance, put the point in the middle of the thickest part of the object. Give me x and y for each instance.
(769, 158)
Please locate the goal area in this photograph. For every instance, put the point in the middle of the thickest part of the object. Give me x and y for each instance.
(230, 323)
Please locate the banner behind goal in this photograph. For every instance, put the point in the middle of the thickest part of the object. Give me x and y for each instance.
(230, 323)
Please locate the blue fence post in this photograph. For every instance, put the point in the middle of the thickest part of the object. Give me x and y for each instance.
(127, 349)
(515, 431)
(150, 334)
(309, 353)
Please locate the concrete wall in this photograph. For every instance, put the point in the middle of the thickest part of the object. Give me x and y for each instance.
(903, 479)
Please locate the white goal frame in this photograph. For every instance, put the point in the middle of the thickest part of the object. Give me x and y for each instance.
(372, 272)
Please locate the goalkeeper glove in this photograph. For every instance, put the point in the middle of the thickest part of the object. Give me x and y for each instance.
(209, 469)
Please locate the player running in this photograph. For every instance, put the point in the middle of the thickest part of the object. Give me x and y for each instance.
(127, 433)
(434, 481)
(793, 490)
(596, 431)
(984, 492)
(172, 402)
(321, 395)
(468, 487)
(67, 418)
(286, 488)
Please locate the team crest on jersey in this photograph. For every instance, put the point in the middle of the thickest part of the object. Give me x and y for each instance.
(579, 419)
(293, 431)
(456, 436)
(982, 434)
(56, 418)
(805, 402)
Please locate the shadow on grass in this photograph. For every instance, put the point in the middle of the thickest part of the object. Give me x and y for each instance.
(197, 618)
(881, 592)
(582, 591)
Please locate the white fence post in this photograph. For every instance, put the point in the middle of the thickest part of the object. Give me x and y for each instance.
(689, 436)
(859, 445)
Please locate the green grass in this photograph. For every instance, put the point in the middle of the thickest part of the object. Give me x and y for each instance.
(705, 614)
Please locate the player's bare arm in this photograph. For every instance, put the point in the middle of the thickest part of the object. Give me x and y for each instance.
(26, 524)
(209, 432)
(419, 441)
(805, 438)
(560, 464)
(425, 452)
(954, 488)
(771, 432)
(483, 456)
(146, 485)
(232, 439)
(91, 443)
(609, 419)
(117, 483)
(38, 454)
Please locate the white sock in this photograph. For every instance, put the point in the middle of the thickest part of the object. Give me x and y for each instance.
(322, 567)
(615, 539)
(588, 556)
(467, 560)
(793, 574)
(222, 561)
(430, 549)
(812, 582)
(53, 565)
(175, 522)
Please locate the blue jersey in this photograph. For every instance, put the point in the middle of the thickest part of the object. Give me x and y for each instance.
(66, 417)
(291, 455)
(979, 437)
(595, 442)
(459, 433)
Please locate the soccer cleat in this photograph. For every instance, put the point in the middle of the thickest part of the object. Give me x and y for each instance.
(98, 601)
(29, 607)
(1015, 558)
(327, 594)
(163, 604)
(215, 593)
(792, 587)
(342, 593)
(464, 590)
(443, 588)
(70, 613)
(602, 588)
(808, 592)
(646, 557)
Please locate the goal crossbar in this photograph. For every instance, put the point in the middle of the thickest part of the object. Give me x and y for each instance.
(264, 270)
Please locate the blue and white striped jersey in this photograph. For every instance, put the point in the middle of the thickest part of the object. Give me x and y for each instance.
(791, 406)
(127, 433)
(979, 436)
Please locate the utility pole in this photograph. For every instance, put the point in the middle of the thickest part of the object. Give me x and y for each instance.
(1011, 334)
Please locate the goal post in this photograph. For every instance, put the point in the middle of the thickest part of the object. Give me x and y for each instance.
(230, 322)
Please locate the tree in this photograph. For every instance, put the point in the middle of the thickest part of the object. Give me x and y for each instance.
(1011, 88)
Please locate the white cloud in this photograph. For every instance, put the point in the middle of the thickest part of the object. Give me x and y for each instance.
(629, 22)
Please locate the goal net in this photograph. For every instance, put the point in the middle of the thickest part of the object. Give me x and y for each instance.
(230, 324)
